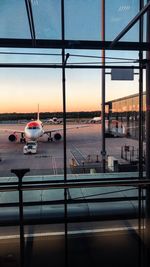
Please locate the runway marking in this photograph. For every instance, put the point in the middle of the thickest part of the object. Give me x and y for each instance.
(54, 165)
(61, 233)
(75, 147)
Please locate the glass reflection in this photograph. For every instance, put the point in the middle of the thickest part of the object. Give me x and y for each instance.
(82, 21)
(47, 19)
(12, 25)
(118, 16)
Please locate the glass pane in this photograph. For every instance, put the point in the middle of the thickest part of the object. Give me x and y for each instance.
(83, 107)
(118, 16)
(13, 19)
(47, 19)
(20, 96)
(119, 89)
(82, 19)
(122, 99)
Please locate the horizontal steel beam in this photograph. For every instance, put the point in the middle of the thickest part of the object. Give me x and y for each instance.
(69, 66)
(68, 185)
(71, 44)
(80, 180)
(72, 201)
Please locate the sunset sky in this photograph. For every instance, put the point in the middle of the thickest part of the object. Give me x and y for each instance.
(22, 89)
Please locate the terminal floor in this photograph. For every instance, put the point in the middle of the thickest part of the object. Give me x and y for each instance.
(118, 249)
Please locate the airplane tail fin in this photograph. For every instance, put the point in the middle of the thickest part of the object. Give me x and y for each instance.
(38, 114)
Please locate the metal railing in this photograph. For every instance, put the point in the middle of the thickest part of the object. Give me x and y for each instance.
(130, 183)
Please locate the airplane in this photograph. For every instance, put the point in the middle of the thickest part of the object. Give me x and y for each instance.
(34, 129)
(95, 119)
(54, 120)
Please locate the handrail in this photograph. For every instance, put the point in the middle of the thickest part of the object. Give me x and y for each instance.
(75, 184)
(98, 179)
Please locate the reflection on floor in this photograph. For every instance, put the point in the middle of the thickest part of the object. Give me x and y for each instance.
(108, 247)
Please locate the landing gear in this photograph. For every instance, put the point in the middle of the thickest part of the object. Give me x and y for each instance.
(50, 139)
(22, 139)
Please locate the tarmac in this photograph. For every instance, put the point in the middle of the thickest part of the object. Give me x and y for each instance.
(47, 165)
(101, 225)
(84, 142)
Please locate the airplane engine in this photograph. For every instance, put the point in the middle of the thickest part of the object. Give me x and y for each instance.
(12, 137)
(57, 136)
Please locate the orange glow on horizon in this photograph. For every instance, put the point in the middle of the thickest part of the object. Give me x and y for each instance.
(24, 110)
(22, 90)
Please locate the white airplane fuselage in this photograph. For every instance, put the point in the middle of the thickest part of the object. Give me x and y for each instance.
(33, 130)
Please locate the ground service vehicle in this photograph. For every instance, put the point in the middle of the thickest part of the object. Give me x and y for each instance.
(30, 147)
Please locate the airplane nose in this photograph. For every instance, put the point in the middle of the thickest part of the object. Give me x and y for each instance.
(31, 135)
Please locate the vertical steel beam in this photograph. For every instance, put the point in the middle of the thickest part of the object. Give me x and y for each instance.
(103, 152)
(64, 131)
(20, 174)
(141, 95)
(28, 5)
(148, 138)
(22, 239)
(140, 190)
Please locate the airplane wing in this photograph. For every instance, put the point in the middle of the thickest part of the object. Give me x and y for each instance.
(67, 128)
(12, 134)
(11, 130)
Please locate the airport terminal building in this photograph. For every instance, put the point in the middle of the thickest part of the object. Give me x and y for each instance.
(53, 212)
(123, 116)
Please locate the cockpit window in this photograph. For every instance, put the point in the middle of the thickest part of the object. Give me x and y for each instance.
(33, 127)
